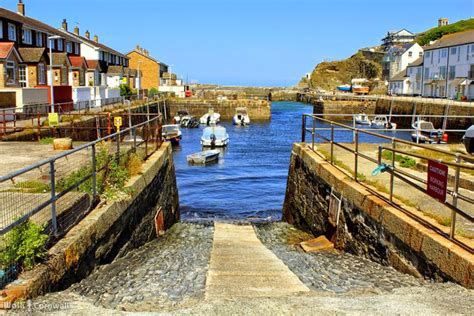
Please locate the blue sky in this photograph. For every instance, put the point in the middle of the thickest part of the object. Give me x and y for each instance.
(244, 42)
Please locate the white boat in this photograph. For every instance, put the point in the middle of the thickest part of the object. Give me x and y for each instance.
(180, 115)
(210, 118)
(362, 119)
(382, 122)
(241, 117)
(425, 132)
(189, 122)
(204, 157)
(214, 136)
(171, 133)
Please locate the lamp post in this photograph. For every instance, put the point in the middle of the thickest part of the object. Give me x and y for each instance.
(51, 39)
(139, 83)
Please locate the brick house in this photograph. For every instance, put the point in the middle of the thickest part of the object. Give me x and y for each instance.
(9, 61)
(77, 72)
(61, 66)
(93, 73)
(151, 69)
(36, 61)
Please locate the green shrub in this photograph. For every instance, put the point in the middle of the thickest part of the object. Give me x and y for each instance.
(437, 32)
(25, 245)
(46, 140)
(32, 186)
(404, 161)
(153, 92)
(125, 90)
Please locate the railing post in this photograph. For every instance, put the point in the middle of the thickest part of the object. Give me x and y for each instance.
(54, 223)
(379, 159)
(303, 129)
(146, 140)
(353, 126)
(4, 123)
(134, 131)
(117, 140)
(94, 172)
(312, 134)
(455, 198)
(356, 154)
(393, 170)
(332, 144)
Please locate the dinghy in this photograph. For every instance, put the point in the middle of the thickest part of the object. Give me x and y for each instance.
(204, 157)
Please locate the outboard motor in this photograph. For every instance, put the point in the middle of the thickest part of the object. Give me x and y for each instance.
(213, 141)
(468, 140)
(208, 120)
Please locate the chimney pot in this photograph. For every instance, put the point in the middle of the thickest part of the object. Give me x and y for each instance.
(96, 38)
(76, 30)
(21, 8)
(64, 24)
(87, 35)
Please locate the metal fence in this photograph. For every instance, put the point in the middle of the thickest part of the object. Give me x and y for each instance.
(461, 203)
(58, 192)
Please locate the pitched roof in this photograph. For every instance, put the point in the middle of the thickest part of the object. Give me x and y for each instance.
(93, 64)
(7, 14)
(92, 43)
(32, 54)
(60, 59)
(399, 77)
(5, 49)
(453, 39)
(77, 61)
(115, 70)
(417, 62)
(145, 56)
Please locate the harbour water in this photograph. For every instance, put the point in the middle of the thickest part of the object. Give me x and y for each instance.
(249, 180)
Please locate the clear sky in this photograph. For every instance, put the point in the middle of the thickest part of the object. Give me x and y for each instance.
(244, 42)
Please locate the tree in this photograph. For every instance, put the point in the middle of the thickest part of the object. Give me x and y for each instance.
(125, 90)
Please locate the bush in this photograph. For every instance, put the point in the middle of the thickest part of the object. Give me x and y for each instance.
(46, 140)
(32, 186)
(25, 245)
(405, 161)
(134, 164)
(153, 92)
(125, 90)
(437, 32)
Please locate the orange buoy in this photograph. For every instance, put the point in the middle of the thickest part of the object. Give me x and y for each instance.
(445, 138)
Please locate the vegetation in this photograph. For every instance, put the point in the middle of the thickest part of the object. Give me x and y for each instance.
(32, 186)
(125, 90)
(46, 140)
(153, 92)
(25, 245)
(404, 161)
(437, 32)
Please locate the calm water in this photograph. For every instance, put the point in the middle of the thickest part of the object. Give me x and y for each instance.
(249, 181)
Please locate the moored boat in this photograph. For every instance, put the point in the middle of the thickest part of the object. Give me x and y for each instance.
(189, 122)
(362, 119)
(468, 140)
(171, 133)
(204, 157)
(425, 132)
(241, 117)
(214, 136)
(210, 118)
(181, 115)
(382, 122)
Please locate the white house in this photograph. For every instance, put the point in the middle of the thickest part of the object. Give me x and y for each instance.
(414, 73)
(449, 67)
(171, 83)
(400, 37)
(398, 85)
(398, 58)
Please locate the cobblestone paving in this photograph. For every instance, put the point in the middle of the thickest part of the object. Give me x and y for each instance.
(329, 271)
(165, 272)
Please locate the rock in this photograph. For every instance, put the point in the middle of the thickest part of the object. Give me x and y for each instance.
(62, 143)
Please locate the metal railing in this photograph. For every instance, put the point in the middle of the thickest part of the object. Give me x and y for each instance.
(58, 192)
(325, 130)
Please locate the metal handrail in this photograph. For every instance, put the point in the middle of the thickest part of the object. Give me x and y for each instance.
(396, 172)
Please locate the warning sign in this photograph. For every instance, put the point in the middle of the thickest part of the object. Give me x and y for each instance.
(437, 180)
(118, 121)
(53, 119)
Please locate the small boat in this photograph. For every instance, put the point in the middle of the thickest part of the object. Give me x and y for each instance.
(189, 122)
(214, 136)
(180, 115)
(210, 118)
(382, 122)
(344, 87)
(359, 86)
(425, 132)
(204, 157)
(468, 140)
(241, 117)
(171, 133)
(362, 119)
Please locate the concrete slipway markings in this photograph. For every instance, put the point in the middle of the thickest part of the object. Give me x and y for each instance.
(241, 266)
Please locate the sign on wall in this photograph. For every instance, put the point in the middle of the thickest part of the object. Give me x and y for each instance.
(437, 180)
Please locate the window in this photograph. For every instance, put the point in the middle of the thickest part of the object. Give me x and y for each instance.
(428, 54)
(11, 72)
(410, 54)
(69, 47)
(442, 72)
(39, 39)
(444, 52)
(453, 50)
(11, 32)
(60, 45)
(76, 48)
(467, 54)
(51, 43)
(427, 73)
(22, 76)
(41, 74)
(452, 72)
(420, 54)
(1, 29)
(27, 36)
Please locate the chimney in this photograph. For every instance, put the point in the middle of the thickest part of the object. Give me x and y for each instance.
(64, 25)
(96, 38)
(76, 30)
(21, 8)
(87, 35)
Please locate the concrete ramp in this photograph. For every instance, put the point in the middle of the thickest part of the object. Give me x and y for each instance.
(241, 266)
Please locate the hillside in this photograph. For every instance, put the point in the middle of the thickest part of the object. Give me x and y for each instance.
(433, 34)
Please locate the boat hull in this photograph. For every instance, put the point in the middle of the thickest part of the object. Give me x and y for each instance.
(239, 120)
(204, 157)
(217, 143)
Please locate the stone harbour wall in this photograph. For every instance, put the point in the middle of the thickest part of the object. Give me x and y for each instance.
(368, 226)
(107, 232)
(258, 110)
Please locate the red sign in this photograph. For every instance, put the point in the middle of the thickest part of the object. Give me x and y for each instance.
(437, 180)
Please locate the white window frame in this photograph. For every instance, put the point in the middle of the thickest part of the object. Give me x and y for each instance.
(69, 47)
(39, 39)
(11, 35)
(11, 65)
(1, 29)
(41, 74)
(23, 71)
(27, 36)
(60, 45)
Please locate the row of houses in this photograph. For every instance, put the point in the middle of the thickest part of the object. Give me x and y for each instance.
(442, 69)
(82, 67)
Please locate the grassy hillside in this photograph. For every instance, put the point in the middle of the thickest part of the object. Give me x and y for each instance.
(424, 38)
(328, 75)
